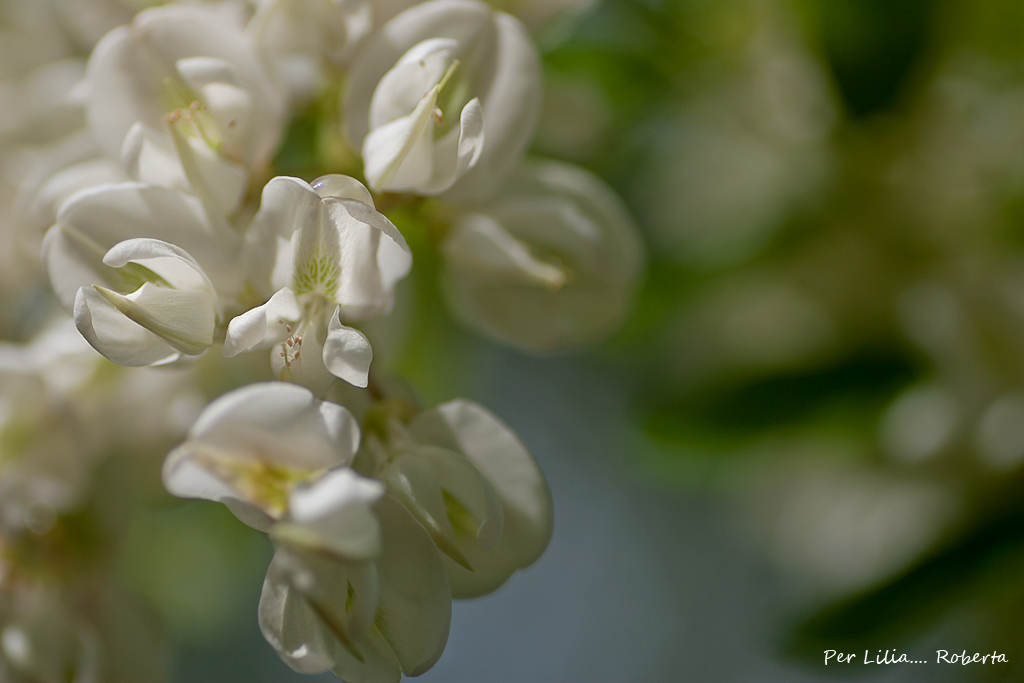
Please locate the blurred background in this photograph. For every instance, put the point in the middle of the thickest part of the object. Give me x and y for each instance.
(808, 436)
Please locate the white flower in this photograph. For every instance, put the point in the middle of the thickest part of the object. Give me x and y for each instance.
(190, 71)
(466, 477)
(553, 260)
(409, 147)
(300, 35)
(319, 254)
(357, 585)
(44, 459)
(252, 447)
(366, 619)
(41, 639)
(138, 298)
(446, 95)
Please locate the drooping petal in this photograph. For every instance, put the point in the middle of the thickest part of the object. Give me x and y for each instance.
(498, 454)
(347, 353)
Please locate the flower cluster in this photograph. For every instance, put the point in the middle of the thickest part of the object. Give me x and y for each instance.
(169, 236)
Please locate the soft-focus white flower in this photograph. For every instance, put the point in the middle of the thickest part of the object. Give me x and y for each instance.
(446, 95)
(466, 477)
(318, 254)
(357, 585)
(46, 446)
(299, 36)
(367, 619)
(553, 260)
(42, 640)
(138, 298)
(190, 71)
(252, 447)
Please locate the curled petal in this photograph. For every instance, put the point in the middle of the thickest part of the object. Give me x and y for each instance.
(116, 336)
(347, 353)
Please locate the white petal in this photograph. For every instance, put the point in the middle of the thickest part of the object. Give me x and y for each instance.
(500, 456)
(128, 69)
(402, 89)
(339, 247)
(202, 71)
(511, 110)
(115, 336)
(373, 257)
(398, 155)
(185, 319)
(498, 57)
(185, 478)
(336, 513)
(286, 205)
(210, 175)
(459, 150)
(415, 602)
(296, 595)
(347, 353)
(449, 497)
(149, 157)
(482, 244)
(280, 423)
(65, 183)
(261, 326)
(72, 261)
(110, 214)
(115, 101)
(342, 187)
(460, 20)
(581, 288)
